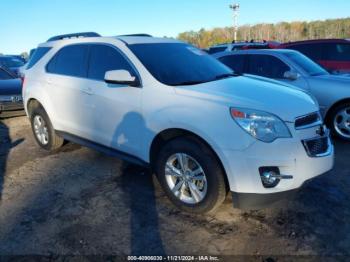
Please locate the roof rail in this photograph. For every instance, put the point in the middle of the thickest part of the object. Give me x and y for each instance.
(75, 35)
(146, 35)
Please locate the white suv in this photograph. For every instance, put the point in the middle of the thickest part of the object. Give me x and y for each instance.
(167, 105)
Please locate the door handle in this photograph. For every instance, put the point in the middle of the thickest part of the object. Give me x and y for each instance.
(87, 90)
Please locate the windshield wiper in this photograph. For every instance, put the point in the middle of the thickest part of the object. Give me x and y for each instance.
(317, 74)
(189, 83)
(223, 76)
(218, 77)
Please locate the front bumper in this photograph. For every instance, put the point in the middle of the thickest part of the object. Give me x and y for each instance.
(288, 155)
(249, 201)
(258, 201)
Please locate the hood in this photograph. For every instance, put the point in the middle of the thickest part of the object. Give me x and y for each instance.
(11, 87)
(263, 94)
(345, 79)
(340, 84)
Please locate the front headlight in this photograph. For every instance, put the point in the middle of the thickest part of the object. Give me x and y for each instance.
(261, 125)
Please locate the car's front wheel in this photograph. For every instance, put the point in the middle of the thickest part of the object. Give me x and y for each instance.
(191, 175)
(340, 121)
(43, 131)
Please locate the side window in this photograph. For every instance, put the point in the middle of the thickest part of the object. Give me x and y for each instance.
(70, 60)
(235, 62)
(105, 58)
(37, 55)
(337, 52)
(313, 51)
(267, 66)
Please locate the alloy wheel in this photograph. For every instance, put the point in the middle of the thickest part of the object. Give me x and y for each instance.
(186, 178)
(342, 122)
(40, 129)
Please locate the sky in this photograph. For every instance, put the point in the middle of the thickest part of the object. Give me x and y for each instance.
(26, 23)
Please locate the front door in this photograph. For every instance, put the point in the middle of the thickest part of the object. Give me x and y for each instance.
(117, 108)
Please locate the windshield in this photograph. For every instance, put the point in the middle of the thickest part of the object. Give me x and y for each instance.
(309, 66)
(179, 64)
(11, 62)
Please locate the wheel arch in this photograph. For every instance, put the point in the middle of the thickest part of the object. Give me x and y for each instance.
(31, 104)
(334, 106)
(169, 134)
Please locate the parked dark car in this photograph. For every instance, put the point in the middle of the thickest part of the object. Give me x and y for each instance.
(12, 63)
(234, 46)
(19, 57)
(332, 54)
(11, 103)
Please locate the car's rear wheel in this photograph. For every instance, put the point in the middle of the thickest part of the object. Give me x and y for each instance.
(43, 131)
(340, 121)
(191, 175)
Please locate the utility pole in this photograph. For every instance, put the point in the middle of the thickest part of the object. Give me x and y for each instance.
(235, 8)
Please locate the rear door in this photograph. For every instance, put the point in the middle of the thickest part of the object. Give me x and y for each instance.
(67, 85)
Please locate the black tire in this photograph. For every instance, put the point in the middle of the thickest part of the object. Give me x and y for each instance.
(54, 141)
(215, 177)
(331, 121)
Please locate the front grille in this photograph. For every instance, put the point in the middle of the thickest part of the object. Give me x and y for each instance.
(317, 146)
(308, 120)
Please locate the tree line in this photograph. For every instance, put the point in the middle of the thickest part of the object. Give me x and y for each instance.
(282, 32)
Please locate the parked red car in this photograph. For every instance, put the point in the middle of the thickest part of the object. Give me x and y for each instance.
(332, 54)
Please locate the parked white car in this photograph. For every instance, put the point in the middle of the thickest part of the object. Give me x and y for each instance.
(170, 106)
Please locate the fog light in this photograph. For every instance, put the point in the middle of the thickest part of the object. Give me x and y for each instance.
(269, 179)
(269, 176)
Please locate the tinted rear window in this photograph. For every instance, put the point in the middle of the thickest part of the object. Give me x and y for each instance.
(70, 61)
(105, 58)
(37, 55)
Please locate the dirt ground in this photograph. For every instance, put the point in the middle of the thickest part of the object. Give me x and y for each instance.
(80, 202)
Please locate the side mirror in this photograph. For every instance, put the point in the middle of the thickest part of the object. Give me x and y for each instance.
(291, 75)
(121, 77)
